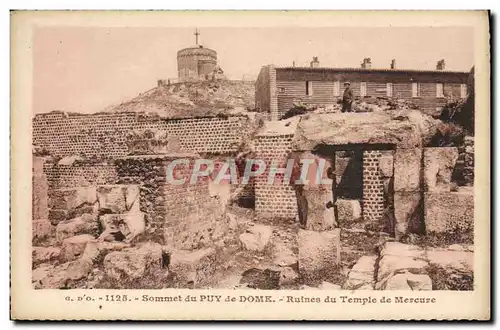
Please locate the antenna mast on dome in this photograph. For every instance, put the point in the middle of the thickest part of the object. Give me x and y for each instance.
(196, 34)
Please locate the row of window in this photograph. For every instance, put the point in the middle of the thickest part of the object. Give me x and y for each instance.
(415, 89)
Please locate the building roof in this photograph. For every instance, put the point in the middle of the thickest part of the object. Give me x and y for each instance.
(196, 51)
(307, 68)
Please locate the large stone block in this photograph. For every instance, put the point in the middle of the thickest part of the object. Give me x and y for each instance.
(256, 237)
(448, 212)
(410, 282)
(86, 224)
(314, 196)
(407, 167)
(462, 261)
(117, 198)
(192, 266)
(362, 274)
(95, 250)
(349, 210)
(41, 228)
(133, 263)
(129, 224)
(402, 128)
(386, 165)
(407, 212)
(283, 255)
(73, 247)
(47, 277)
(319, 252)
(402, 250)
(438, 167)
(391, 265)
(42, 254)
(317, 211)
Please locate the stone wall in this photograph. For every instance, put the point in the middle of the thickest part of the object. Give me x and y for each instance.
(183, 216)
(104, 134)
(79, 174)
(277, 199)
(373, 187)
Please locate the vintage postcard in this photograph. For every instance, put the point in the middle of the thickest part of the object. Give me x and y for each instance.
(327, 165)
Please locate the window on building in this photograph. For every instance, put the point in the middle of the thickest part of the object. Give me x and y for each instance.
(439, 90)
(389, 89)
(309, 88)
(415, 89)
(362, 89)
(281, 90)
(336, 88)
(463, 91)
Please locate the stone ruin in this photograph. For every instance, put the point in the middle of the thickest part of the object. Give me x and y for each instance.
(386, 179)
(124, 216)
(122, 225)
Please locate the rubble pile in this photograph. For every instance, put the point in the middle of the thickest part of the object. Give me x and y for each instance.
(97, 220)
(382, 104)
(379, 104)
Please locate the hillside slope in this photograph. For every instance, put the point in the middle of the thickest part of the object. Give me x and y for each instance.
(193, 99)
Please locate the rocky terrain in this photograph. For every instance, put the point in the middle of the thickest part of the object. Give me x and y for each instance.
(193, 99)
(96, 238)
(253, 255)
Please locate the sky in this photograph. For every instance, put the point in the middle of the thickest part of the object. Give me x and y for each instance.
(87, 69)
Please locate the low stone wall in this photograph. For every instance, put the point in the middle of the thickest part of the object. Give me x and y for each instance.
(183, 216)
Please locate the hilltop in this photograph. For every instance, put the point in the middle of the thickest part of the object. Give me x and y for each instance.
(193, 99)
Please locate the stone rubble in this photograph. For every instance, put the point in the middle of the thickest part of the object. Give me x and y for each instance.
(319, 252)
(256, 237)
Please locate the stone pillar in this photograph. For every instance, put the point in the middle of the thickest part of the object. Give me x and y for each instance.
(407, 189)
(319, 238)
(315, 197)
(373, 187)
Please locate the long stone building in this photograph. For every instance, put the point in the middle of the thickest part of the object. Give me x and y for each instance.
(278, 88)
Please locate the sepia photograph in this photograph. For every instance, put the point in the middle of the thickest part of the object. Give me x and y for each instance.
(333, 159)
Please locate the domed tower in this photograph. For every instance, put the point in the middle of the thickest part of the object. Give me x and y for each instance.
(197, 62)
